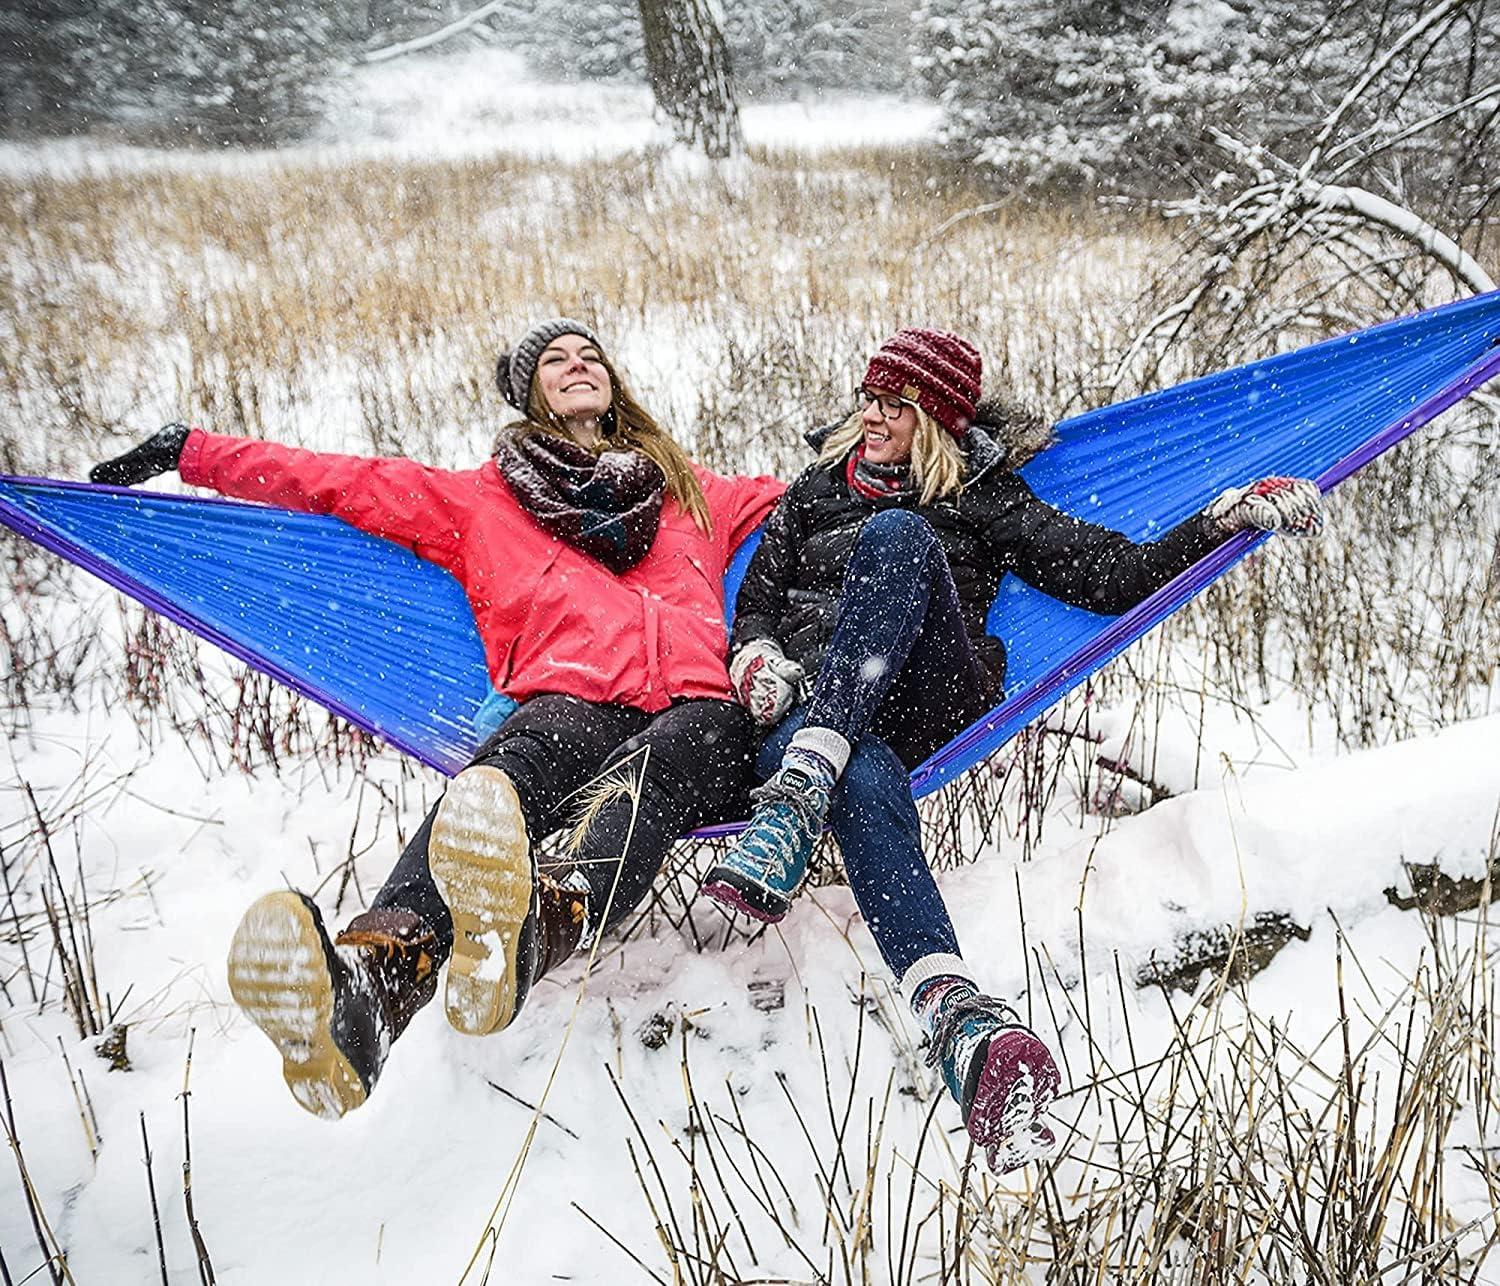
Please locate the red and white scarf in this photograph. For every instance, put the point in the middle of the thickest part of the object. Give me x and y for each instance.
(888, 483)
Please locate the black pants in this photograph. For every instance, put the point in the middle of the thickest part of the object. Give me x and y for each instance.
(692, 762)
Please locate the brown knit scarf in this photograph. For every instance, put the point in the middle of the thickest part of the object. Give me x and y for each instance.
(606, 506)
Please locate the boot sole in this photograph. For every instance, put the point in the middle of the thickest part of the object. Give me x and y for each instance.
(725, 888)
(1009, 1099)
(279, 975)
(480, 858)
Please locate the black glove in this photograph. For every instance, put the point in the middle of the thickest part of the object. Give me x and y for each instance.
(157, 454)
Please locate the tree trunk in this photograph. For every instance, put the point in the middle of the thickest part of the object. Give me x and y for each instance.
(687, 63)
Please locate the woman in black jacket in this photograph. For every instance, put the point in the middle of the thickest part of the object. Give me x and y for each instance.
(864, 608)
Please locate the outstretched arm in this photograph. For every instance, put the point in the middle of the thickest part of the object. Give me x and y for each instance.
(1104, 571)
(397, 499)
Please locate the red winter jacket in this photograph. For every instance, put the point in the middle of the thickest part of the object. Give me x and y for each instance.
(551, 618)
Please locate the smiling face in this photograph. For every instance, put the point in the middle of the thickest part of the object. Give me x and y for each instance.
(887, 440)
(573, 379)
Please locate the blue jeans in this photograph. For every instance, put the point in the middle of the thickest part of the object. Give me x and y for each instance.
(875, 821)
(899, 679)
(899, 662)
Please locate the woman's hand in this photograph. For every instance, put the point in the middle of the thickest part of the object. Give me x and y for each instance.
(157, 454)
(765, 681)
(1290, 505)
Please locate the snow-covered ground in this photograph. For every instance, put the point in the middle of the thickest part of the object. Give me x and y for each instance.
(485, 101)
(488, 101)
(402, 1189)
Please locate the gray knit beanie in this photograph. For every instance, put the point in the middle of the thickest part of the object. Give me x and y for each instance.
(514, 370)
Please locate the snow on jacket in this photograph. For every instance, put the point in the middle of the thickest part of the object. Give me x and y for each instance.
(551, 618)
(994, 526)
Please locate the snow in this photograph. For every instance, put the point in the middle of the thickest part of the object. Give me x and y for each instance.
(485, 101)
(1266, 816)
(1333, 835)
(492, 967)
(403, 1185)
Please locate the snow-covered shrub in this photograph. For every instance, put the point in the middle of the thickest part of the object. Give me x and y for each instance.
(1125, 90)
(227, 72)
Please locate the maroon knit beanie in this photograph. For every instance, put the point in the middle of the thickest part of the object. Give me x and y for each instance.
(936, 370)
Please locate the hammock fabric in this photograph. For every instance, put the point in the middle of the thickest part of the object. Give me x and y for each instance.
(385, 640)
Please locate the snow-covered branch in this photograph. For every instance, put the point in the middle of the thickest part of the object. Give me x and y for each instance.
(433, 37)
(1319, 216)
(1387, 141)
(1410, 227)
(1372, 73)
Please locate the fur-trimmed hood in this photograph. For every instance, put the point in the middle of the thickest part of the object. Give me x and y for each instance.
(1006, 433)
(1014, 428)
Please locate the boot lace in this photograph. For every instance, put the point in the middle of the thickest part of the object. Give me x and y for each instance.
(807, 803)
(957, 1011)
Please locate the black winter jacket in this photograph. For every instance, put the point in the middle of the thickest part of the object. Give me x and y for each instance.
(994, 526)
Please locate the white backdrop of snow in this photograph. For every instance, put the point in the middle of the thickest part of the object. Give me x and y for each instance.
(414, 1173)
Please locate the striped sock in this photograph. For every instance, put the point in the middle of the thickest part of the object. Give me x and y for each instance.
(812, 764)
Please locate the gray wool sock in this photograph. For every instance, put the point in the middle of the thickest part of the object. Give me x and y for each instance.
(825, 744)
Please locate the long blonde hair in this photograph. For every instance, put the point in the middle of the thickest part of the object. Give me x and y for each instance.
(634, 429)
(937, 461)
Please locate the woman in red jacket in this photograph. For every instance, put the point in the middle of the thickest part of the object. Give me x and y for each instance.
(592, 551)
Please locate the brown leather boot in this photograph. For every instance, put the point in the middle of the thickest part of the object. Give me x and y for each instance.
(331, 1014)
(562, 917)
(395, 948)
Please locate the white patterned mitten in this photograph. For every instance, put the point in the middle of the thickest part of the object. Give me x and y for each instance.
(765, 681)
(1290, 505)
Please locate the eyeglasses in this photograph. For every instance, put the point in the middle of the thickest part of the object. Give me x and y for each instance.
(890, 405)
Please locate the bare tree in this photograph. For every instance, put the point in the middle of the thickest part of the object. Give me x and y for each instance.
(1385, 203)
(687, 64)
(418, 43)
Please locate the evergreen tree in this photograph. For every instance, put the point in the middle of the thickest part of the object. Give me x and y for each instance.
(217, 71)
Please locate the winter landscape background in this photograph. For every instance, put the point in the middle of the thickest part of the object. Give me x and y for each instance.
(1296, 775)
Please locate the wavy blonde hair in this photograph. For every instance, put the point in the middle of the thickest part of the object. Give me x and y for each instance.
(937, 461)
(635, 429)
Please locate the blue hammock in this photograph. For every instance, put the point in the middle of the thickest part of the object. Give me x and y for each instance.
(387, 641)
